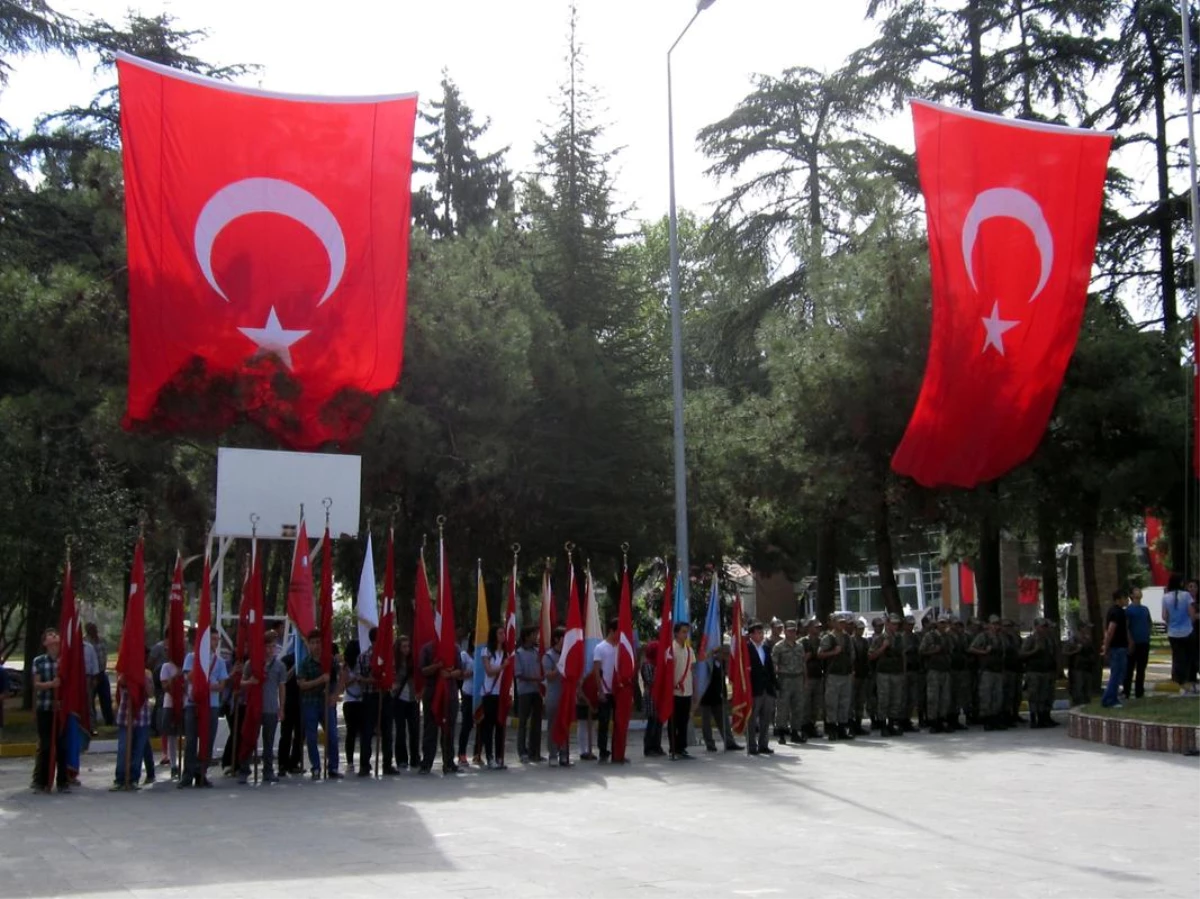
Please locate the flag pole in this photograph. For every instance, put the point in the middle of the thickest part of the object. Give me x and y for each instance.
(253, 673)
(128, 785)
(325, 702)
(443, 682)
(1194, 196)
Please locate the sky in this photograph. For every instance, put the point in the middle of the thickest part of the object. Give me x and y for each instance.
(508, 58)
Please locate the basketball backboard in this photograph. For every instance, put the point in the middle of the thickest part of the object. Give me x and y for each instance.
(273, 485)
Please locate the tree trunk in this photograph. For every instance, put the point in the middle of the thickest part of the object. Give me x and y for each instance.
(274, 586)
(987, 570)
(1048, 556)
(1091, 586)
(975, 39)
(885, 559)
(1166, 236)
(827, 569)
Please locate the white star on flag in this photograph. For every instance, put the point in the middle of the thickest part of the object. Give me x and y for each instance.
(273, 338)
(996, 328)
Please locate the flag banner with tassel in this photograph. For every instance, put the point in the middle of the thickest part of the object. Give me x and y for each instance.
(570, 664)
(626, 668)
(741, 698)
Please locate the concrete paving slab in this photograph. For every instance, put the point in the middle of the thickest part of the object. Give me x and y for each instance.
(1014, 814)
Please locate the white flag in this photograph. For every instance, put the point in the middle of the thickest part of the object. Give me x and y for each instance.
(367, 609)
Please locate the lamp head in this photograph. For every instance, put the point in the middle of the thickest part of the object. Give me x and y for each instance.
(702, 5)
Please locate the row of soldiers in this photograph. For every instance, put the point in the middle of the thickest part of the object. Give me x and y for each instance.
(835, 675)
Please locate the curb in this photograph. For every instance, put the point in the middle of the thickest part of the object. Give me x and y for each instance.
(1129, 734)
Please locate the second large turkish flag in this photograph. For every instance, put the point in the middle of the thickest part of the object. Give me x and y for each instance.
(268, 251)
(1013, 209)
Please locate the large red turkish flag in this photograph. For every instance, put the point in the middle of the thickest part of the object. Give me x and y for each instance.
(268, 251)
(1013, 209)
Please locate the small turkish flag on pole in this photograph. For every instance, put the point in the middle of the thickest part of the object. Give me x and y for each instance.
(267, 235)
(1013, 210)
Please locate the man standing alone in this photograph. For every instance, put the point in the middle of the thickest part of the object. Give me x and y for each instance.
(1117, 645)
(762, 687)
(1137, 618)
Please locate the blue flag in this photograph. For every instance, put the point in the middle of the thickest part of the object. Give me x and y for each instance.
(710, 638)
(679, 607)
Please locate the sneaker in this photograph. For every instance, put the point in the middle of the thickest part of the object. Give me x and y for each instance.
(605, 755)
(553, 763)
(524, 759)
(462, 760)
(164, 762)
(587, 757)
(227, 772)
(491, 766)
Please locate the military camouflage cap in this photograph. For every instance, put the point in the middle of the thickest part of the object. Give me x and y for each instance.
(993, 619)
(894, 618)
(789, 625)
(877, 621)
(775, 622)
(860, 624)
(944, 620)
(958, 622)
(909, 619)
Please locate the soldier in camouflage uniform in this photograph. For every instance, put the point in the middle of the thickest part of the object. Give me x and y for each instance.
(988, 647)
(872, 688)
(913, 682)
(935, 653)
(814, 680)
(861, 675)
(1038, 654)
(1080, 654)
(836, 650)
(1013, 670)
(960, 676)
(788, 658)
(973, 628)
(887, 652)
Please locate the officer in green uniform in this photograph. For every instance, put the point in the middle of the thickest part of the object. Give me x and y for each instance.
(788, 658)
(913, 682)
(872, 687)
(862, 665)
(1081, 657)
(814, 681)
(837, 652)
(1013, 669)
(935, 653)
(887, 652)
(973, 628)
(960, 678)
(988, 647)
(1037, 653)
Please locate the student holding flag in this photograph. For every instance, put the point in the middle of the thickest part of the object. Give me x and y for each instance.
(196, 757)
(604, 671)
(495, 660)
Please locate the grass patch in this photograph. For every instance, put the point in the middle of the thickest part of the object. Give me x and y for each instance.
(1153, 710)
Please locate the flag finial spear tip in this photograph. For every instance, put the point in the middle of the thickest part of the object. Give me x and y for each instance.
(327, 502)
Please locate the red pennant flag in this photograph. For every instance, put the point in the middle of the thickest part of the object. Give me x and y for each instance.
(326, 602)
(664, 674)
(423, 630)
(626, 667)
(1196, 395)
(256, 657)
(72, 691)
(570, 666)
(300, 587)
(383, 658)
(202, 659)
(131, 656)
(1013, 210)
(447, 646)
(267, 235)
(1159, 575)
(176, 638)
(742, 698)
(508, 676)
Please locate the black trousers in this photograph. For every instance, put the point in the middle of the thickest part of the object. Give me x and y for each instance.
(407, 717)
(352, 713)
(604, 714)
(376, 717)
(652, 741)
(1135, 670)
(680, 713)
(467, 723)
(291, 734)
(433, 733)
(491, 731)
(41, 762)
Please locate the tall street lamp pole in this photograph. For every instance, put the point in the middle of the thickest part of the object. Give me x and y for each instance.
(681, 516)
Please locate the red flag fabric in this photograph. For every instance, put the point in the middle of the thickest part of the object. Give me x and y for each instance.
(423, 630)
(966, 584)
(1029, 589)
(570, 666)
(383, 658)
(202, 660)
(1159, 575)
(256, 656)
(1196, 395)
(508, 675)
(447, 646)
(267, 236)
(131, 656)
(664, 673)
(1013, 210)
(326, 602)
(741, 698)
(176, 639)
(300, 587)
(72, 691)
(626, 669)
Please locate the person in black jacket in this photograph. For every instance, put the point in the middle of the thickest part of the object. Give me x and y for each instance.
(712, 703)
(763, 686)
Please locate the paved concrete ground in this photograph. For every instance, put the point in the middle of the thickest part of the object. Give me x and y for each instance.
(1014, 814)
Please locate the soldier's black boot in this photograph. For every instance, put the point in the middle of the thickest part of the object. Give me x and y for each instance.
(935, 726)
(798, 737)
(989, 723)
(831, 733)
(781, 736)
(1035, 720)
(906, 725)
(1047, 721)
(875, 725)
(844, 732)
